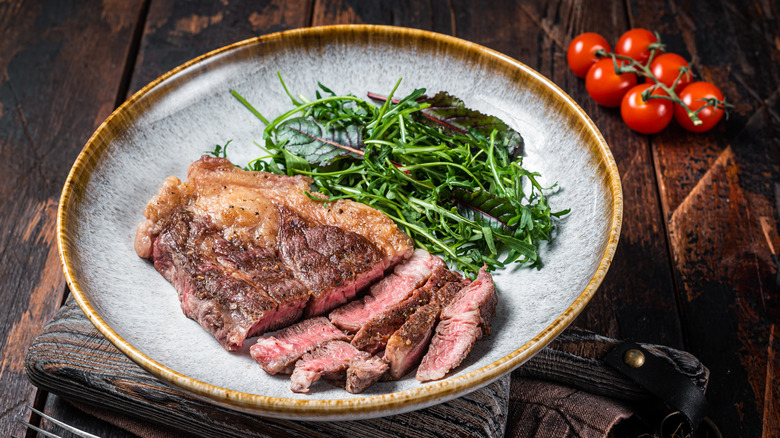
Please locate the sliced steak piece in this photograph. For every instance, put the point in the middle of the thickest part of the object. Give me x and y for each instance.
(408, 344)
(333, 361)
(278, 352)
(374, 334)
(389, 291)
(331, 262)
(462, 322)
(406, 347)
(364, 372)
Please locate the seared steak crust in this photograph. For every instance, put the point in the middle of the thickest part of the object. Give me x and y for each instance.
(406, 347)
(327, 259)
(229, 307)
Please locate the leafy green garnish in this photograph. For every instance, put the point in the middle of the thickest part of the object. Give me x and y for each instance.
(450, 177)
(450, 111)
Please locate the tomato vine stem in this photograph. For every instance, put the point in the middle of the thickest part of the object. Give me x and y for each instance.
(633, 66)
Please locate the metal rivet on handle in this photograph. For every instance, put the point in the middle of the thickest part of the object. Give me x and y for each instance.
(634, 358)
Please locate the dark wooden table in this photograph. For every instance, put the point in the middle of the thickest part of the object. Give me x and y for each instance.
(696, 267)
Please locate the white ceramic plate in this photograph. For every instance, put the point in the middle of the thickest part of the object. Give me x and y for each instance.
(173, 120)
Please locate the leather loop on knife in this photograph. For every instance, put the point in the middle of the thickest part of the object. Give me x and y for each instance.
(660, 378)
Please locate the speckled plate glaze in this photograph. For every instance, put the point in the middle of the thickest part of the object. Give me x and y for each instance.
(173, 120)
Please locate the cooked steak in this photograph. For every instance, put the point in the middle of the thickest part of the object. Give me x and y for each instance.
(406, 347)
(462, 322)
(364, 372)
(250, 251)
(409, 343)
(278, 352)
(391, 290)
(333, 361)
(263, 268)
(374, 334)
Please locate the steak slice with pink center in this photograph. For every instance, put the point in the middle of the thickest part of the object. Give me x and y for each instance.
(374, 334)
(462, 322)
(408, 344)
(364, 372)
(333, 361)
(277, 352)
(389, 291)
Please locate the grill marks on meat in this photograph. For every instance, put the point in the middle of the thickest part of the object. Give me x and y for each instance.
(336, 361)
(250, 251)
(279, 352)
(462, 322)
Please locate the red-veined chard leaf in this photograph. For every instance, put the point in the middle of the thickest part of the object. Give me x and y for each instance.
(449, 111)
(319, 143)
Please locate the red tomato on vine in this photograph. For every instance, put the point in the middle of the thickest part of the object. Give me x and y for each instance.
(606, 86)
(695, 96)
(581, 54)
(666, 69)
(646, 116)
(635, 44)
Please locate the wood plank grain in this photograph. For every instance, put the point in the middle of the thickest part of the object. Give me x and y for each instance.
(60, 68)
(179, 30)
(435, 15)
(720, 200)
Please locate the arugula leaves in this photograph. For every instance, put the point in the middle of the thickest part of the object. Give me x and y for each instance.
(450, 177)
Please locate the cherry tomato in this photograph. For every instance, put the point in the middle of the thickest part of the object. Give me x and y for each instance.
(634, 44)
(646, 116)
(691, 96)
(605, 86)
(666, 68)
(581, 53)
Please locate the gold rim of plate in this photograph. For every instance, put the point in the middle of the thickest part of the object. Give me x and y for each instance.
(390, 403)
